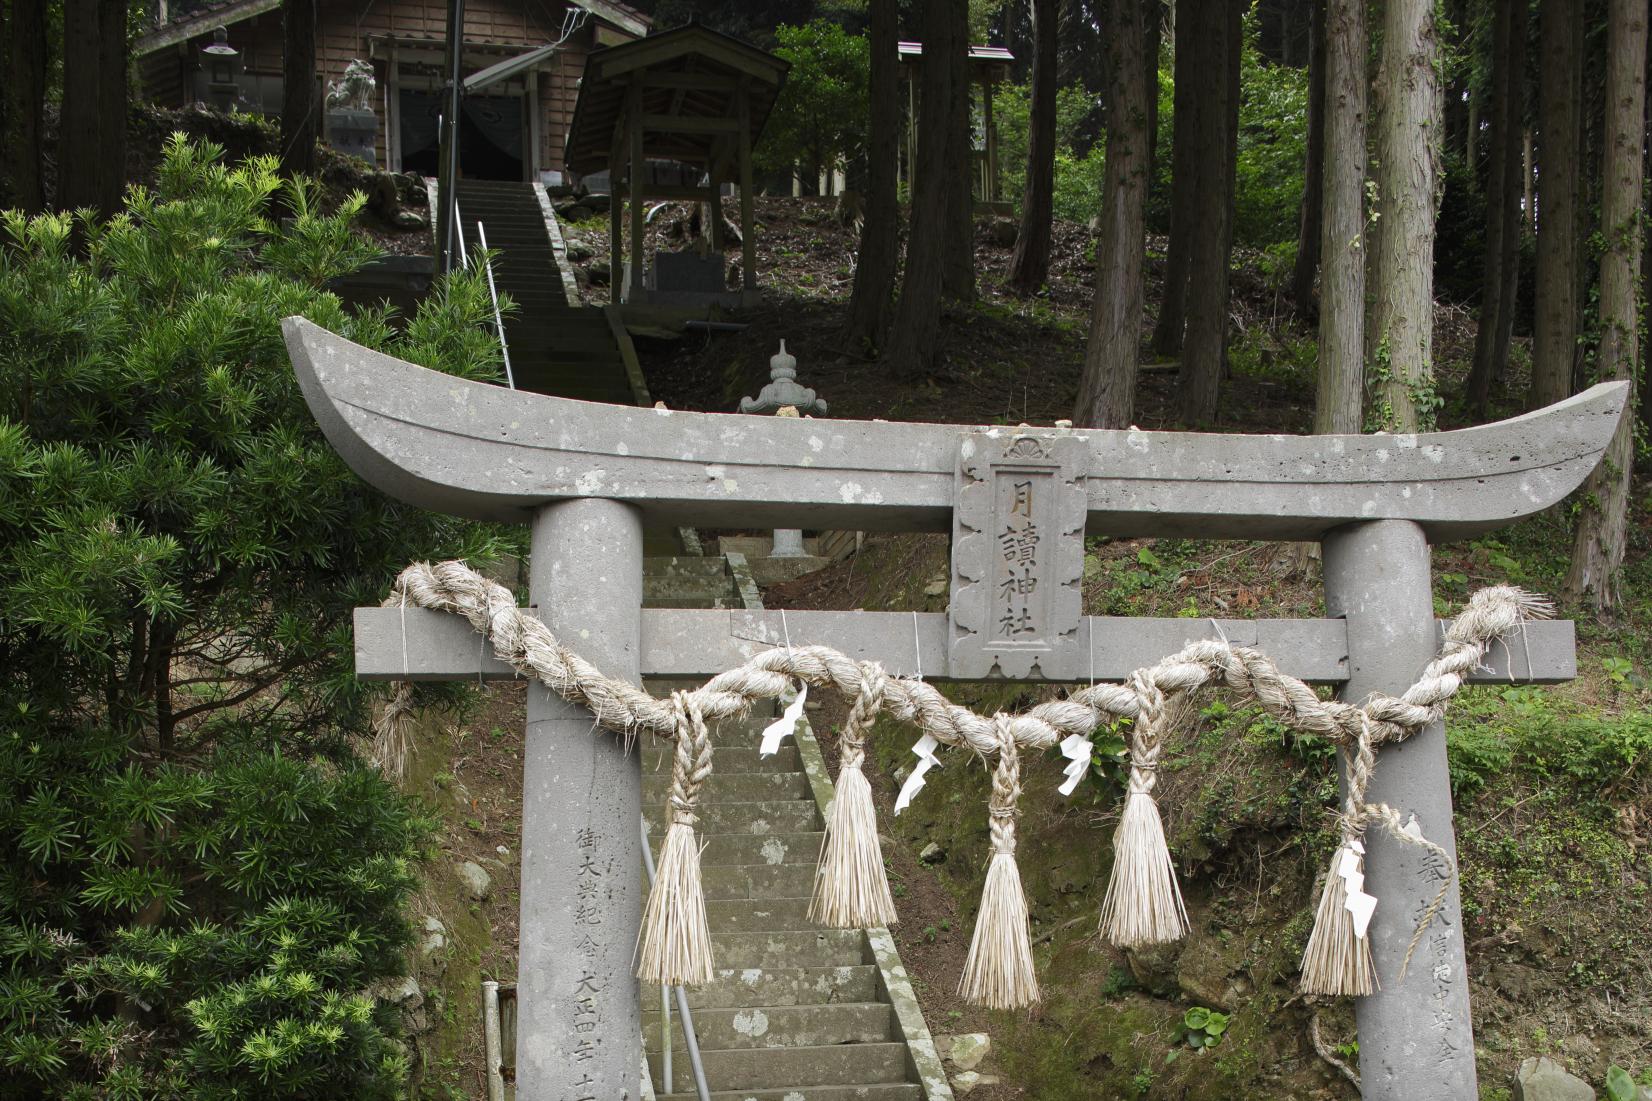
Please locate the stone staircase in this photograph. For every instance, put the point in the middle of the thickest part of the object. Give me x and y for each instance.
(556, 348)
(797, 1012)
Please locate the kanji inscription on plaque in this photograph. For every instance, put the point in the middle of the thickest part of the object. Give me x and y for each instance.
(1018, 556)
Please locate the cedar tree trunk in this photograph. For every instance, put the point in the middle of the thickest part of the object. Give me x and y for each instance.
(300, 98)
(113, 108)
(1340, 397)
(1406, 155)
(870, 302)
(1204, 345)
(25, 89)
(80, 136)
(1107, 392)
(958, 244)
(1313, 171)
(1186, 106)
(1603, 524)
(912, 341)
(1030, 265)
(1554, 337)
(1503, 185)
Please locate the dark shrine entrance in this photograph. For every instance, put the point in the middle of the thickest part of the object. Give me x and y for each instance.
(491, 136)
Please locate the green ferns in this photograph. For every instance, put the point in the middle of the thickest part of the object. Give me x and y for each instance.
(199, 883)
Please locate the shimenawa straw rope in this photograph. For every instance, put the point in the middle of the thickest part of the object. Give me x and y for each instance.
(1144, 903)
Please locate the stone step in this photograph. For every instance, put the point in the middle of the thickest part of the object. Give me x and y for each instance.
(685, 566)
(883, 1091)
(731, 786)
(758, 915)
(790, 948)
(777, 1026)
(767, 881)
(770, 817)
(733, 758)
(752, 848)
(734, 988)
(779, 1068)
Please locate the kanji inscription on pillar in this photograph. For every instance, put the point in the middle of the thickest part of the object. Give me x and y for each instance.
(1018, 556)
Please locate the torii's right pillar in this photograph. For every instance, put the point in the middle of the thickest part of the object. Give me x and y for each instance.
(1416, 1038)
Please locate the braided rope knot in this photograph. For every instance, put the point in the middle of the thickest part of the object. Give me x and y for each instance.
(1002, 806)
(691, 758)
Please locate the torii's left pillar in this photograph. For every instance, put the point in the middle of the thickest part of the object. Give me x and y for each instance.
(578, 1026)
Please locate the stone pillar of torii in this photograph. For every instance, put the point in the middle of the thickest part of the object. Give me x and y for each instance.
(587, 478)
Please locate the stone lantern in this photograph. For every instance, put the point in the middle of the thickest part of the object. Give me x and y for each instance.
(222, 64)
(784, 397)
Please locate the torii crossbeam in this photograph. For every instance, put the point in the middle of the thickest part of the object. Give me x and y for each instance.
(1018, 501)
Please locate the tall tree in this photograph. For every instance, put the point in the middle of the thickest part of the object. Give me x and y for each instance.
(958, 244)
(80, 136)
(1313, 169)
(1646, 266)
(1506, 109)
(113, 105)
(1186, 104)
(1107, 392)
(25, 91)
(300, 95)
(1204, 346)
(1560, 77)
(869, 303)
(1030, 264)
(1406, 155)
(1339, 401)
(1602, 529)
(912, 344)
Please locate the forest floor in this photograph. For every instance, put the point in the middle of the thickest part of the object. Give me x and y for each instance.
(1551, 783)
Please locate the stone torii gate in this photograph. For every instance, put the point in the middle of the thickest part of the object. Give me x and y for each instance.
(586, 477)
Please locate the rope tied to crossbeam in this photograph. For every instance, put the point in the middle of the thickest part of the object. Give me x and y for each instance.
(1143, 904)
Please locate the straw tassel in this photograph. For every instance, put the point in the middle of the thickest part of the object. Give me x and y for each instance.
(1144, 903)
(999, 973)
(851, 889)
(675, 944)
(1337, 960)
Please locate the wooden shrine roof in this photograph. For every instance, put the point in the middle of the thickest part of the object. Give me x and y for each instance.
(692, 78)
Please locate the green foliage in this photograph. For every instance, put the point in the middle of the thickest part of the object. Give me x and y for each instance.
(196, 932)
(821, 115)
(1272, 147)
(1271, 150)
(1201, 1029)
(197, 880)
(1078, 166)
(1619, 1085)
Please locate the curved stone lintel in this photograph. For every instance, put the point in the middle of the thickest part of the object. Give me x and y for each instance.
(481, 451)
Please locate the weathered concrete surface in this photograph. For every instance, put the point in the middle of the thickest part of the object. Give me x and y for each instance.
(1416, 1039)
(481, 451)
(578, 1021)
(691, 643)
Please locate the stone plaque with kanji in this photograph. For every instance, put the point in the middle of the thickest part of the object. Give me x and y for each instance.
(1018, 556)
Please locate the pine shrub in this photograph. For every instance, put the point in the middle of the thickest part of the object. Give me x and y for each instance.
(199, 882)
